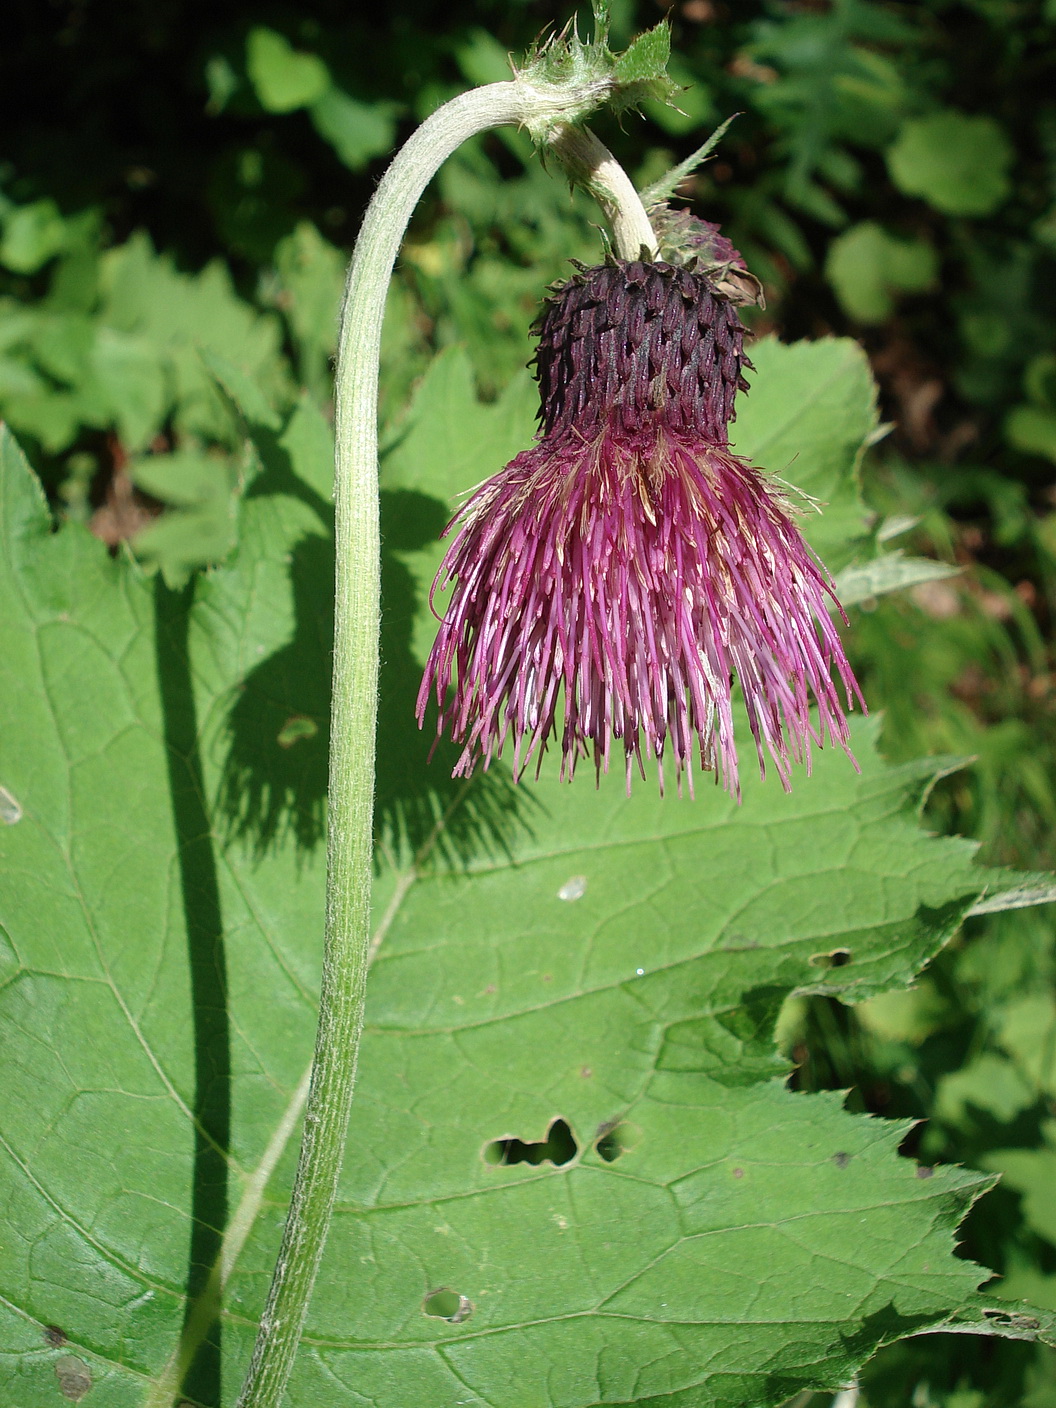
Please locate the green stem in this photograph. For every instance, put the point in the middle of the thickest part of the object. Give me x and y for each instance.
(354, 712)
(591, 165)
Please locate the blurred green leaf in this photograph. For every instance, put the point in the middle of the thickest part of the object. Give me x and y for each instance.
(958, 164)
(183, 478)
(989, 1083)
(174, 316)
(138, 391)
(1032, 1172)
(357, 131)
(32, 234)
(910, 1016)
(222, 82)
(199, 526)
(1039, 379)
(242, 389)
(311, 276)
(890, 573)
(308, 440)
(868, 267)
(1027, 1030)
(690, 107)
(1032, 429)
(284, 78)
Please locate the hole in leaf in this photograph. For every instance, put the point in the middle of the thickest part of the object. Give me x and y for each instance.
(1012, 1319)
(838, 958)
(616, 1140)
(559, 1147)
(444, 1304)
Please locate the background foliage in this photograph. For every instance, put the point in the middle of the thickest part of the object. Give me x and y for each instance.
(179, 190)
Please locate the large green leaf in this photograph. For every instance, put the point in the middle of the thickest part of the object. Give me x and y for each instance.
(593, 975)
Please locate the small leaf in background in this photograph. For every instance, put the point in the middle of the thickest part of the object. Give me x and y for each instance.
(222, 82)
(357, 131)
(175, 315)
(32, 234)
(284, 78)
(1032, 1172)
(242, 389)
(1032, 429)
(888, 574)
(311, 279)
(1039, 379)
(198, 528)
(135, 383)
(308, 440)
(1026, 1029)
(184, 478)
(869, 268)
(988, 1085)
(958, 164)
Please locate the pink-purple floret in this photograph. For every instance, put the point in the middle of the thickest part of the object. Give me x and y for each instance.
(613, 579)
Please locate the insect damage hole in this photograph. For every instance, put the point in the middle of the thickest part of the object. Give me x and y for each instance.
(838, 958)
(445, 1304)
(616, 1139)
(558, 1148)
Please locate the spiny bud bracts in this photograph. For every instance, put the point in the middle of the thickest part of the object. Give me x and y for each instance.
(643, 346)
(691, 237)
(687, 241)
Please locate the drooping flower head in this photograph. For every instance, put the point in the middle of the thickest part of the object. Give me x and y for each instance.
(615, 578)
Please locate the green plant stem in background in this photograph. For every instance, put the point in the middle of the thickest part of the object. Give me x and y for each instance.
(355, 678)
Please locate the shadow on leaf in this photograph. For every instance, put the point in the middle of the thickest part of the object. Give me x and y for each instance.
(275, 774)
(200, 891)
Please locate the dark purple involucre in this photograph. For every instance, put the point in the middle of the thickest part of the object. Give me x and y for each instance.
(612, 580)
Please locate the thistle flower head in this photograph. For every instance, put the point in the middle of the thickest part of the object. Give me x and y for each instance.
(615, 578)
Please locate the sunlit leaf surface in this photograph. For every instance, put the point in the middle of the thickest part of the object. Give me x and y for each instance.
(575, 1175)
